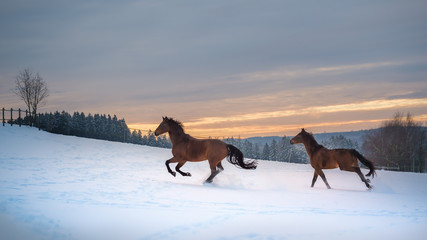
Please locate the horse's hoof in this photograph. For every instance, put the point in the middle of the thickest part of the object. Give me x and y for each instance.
(188, 174)
(173, 174)
(208, 182)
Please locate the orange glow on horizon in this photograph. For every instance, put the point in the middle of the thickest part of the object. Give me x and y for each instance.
(198, 127)
(277, 130)
(362, 106)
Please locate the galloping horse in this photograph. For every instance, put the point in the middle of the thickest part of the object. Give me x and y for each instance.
(186, 148)
(323, 158)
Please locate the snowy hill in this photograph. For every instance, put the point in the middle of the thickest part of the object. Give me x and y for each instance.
(63, 187)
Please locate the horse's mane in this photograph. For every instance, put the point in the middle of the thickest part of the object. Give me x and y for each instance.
(313, 143)
(176, 124)
(174, 121)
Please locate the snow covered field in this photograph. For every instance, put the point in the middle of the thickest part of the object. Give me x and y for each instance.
(62, 187)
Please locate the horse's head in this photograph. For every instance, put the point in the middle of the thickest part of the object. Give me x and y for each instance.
(163, 127)
(299, 138)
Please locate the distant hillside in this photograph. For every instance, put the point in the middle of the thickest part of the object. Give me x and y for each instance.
(352, 135)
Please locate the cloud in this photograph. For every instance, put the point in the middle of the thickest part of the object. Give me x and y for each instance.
(299, 72)
(278, 130)
(361, 106)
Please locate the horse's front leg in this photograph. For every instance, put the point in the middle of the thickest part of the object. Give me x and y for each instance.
(172, 160)
(178, 166)
(322, 175)
(314, 178)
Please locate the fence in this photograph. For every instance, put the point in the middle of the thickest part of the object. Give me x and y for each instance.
(8, 118)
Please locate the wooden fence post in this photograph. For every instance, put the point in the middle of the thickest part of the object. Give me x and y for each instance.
(26, 115)
(20, 119)
(11, 117)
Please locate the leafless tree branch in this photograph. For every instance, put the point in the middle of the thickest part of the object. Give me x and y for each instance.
(31, 88)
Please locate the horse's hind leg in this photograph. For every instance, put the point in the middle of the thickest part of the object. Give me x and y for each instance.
(220, 167)
(211, 177)
(178, 166)
(314, 178)
(214, 171)
(322, 175)
(366, 181)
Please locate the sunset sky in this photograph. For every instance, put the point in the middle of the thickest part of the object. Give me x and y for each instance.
(224, 68)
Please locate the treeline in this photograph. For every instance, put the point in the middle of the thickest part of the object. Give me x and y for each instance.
(399, 144)
(107, 127)
(283, 151)
(97, 126)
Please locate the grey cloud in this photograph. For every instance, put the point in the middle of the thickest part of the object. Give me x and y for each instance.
(217, 37)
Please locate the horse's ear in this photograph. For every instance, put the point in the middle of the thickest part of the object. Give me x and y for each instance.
(164, 118)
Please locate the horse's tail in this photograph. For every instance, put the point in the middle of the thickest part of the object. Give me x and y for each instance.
(235, 156)
(366, 162)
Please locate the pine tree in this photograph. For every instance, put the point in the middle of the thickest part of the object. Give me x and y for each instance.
(248, 149)
(90, 124)
(340, 142)
(273, 150)
(285, 149)
(257, 154)
(82, 125)
(144, 140)
(151, 140)
(265, 152)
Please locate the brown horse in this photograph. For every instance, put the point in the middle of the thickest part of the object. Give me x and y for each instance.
(186, 148)
(323, 158)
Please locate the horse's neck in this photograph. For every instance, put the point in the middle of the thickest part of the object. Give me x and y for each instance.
(311, 146)
(176, 136)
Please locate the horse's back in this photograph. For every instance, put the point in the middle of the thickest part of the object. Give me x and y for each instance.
(217, 149)
(203, 149)
(322, 159)
(334, 158)
(345, 158)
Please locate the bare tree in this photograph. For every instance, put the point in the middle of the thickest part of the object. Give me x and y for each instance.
(31, 88)
(400, 144)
